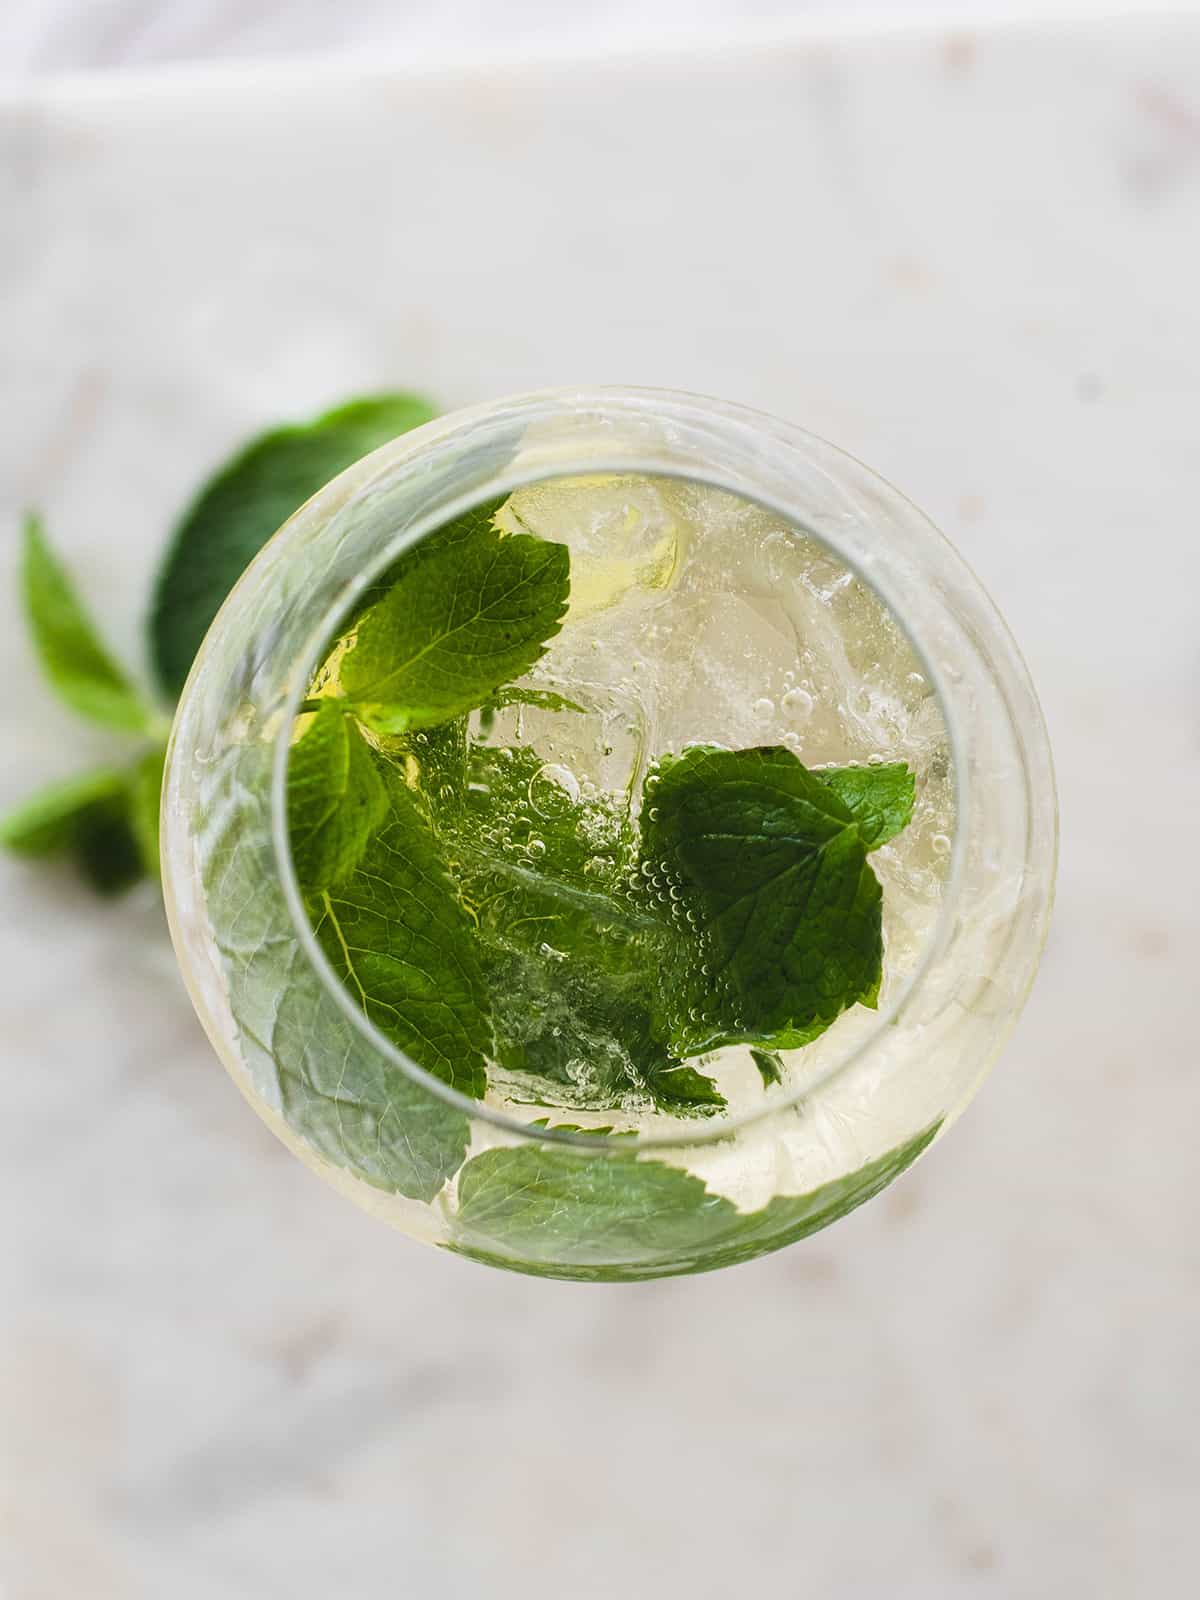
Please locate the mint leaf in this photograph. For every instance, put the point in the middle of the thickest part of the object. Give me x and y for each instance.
(880, 798)
(301, 1052)
(336, 798)
(543, 699)
(398, 937)
(356, 1108)
(770, 1067)
(586, 1213)
(441, 756)
(571, 963)
(48, 824)
(772, 864)
(677, 1087)
(575, 1020)
(100, 820)
(145, 783)
(564, 1213)
(71, 654)
(244, 503)
(577, 1127)
(471, 609)
(108, 849)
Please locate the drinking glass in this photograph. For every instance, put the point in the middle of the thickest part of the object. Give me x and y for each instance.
(474, 1176)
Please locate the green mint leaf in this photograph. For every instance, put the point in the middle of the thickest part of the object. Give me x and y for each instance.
(565, 1213)
(543, 699)
(516, 695)
(398, 937)
(880, 799)
(98, 820)
(441, 758)
(302, 1054)
(70, 651)
(336, 799)
(797, 1038)
(359, 1110)
(243, 504)
(571, 964)
(108, 849)
(584, 1213)
(48, 824)
(770, 1067)
(145, 782)
(772, 864)
(577, 1127)
(675, 1086)
(470, 610)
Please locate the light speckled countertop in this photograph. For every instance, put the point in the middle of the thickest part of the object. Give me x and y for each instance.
(971, 259)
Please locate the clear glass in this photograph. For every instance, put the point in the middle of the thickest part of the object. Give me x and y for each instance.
(470, 1175)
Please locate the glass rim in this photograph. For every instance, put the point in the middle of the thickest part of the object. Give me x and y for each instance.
(619, 400)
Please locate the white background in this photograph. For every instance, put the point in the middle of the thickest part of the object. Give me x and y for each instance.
(970, 255)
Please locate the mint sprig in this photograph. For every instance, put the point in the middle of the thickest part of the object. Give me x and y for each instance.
(591, 983)
(577, 973)
(107, 820)
(458, 615)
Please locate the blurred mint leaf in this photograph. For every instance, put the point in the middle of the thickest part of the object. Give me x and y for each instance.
(145, 781)
(470, 609)
(108, 848)
(47, 824)
(243, 504)
(68, 647)
(336, 798)
(90, 819)
(772, 864)
(880, 799)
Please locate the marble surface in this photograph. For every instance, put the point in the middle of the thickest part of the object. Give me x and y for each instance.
(40, 36)
(970, 257)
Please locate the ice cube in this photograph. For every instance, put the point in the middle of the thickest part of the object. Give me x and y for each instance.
(592, 737)
(623, 533)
